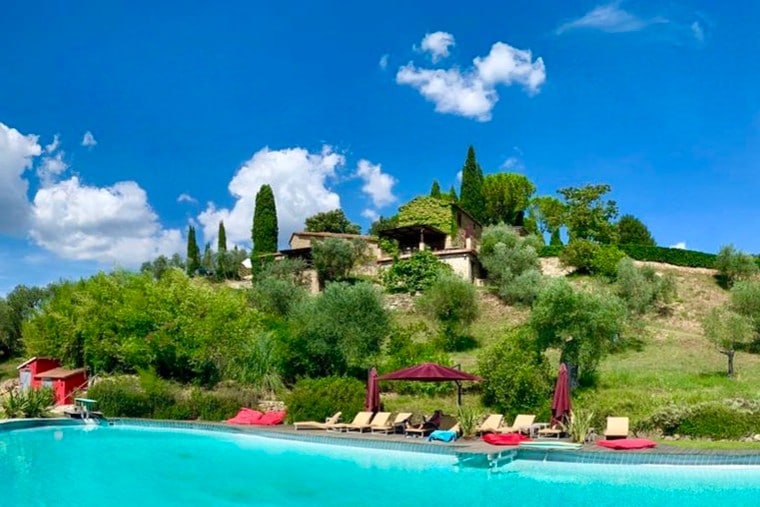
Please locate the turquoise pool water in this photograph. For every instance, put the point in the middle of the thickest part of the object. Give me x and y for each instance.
(145, 467)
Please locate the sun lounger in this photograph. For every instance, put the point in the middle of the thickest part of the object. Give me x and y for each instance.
(490, 424)
(381, 420)
(617, 427)
(521, 425)
(397, 425)
(316, 425)
(360, 423)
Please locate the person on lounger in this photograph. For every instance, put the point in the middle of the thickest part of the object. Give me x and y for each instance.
(432, 423)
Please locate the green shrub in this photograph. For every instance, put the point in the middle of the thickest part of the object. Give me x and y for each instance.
(415, 274)
(726, 420)
(428, 211)
(523, 289)
(333, 258)
(316, 399)
(605, 261)
(219, 404)
(642, 289)
(277, 296)
(29, 403)
(453, 304)
(734, 266)
(579, 254)
(745, 300)
(673, 256)
(515, 377)
(121, 397)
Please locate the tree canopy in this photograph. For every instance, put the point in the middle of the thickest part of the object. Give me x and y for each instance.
(331, 221)
(193, 253)
(588, 215)
(506, 197)
(435, 190)
(632, 231)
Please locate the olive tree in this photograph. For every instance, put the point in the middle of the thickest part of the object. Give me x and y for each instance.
(728, 330)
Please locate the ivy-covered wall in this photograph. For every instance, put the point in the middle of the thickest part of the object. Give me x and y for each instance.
(428, 211)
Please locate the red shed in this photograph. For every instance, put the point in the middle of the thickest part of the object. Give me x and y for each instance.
(28, 371)
(63, 382)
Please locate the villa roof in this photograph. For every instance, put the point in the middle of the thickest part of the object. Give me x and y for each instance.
(331, 235)
(409, 230)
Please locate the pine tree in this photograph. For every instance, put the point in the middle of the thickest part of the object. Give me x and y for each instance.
(471, 193)
(193, 253)
(264, 231)
(222, 238)
(435, 190)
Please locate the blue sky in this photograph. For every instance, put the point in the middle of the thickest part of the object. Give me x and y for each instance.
(122, 122)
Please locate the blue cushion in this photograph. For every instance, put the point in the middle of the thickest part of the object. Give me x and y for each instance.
(443, 435)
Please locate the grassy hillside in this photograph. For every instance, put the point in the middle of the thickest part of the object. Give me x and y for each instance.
(674, 362)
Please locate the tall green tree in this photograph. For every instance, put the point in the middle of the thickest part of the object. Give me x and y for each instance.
(207, 261)
(588, 215)
(453, 194)
(193, 253)
(264, 231)
(471, 192)
(221, 244)
(15, 309)
(632, 231)
(331, 221)
(435, 190)
(507, 197)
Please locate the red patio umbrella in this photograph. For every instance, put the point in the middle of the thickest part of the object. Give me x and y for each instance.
(561, 405)
(372, 401)
(432, 372)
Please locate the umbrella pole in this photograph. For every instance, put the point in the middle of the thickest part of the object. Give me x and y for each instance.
(459, 393)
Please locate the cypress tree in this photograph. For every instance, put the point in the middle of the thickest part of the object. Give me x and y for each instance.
(222, 238)
(435, 190)
(453, 194)
(193, 253)
(471, 193)
(207, 261)
(264, 231)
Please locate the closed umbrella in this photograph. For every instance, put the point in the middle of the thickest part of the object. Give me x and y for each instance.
(561, 404)
(372, 401)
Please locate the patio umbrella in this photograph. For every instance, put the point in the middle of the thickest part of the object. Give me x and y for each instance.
(372, 401)
(432, 372)
(561, 405)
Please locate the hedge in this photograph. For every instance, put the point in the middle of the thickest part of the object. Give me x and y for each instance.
(674, 256)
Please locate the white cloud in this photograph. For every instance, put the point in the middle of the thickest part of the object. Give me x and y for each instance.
(609, 18)
(299, 182)
(183, 197)
(437, 44)
(383, 63)
(377, 184)
(17, 153)
(88, 140)
(51, 167)
(698, 31)
(681, 245)
(370, 214)
(472, 93)
(54, 145)
(512, 164)
(459, 176)
(110, 225)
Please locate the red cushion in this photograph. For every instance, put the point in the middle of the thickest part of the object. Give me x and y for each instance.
(508, 439)
(271, 418)
(627, 443)
(246, 416)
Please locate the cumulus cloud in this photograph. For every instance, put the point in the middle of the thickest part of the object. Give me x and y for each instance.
(299, 180)
(512, 164)
(106, 224)
(681, 245)
(472, 93)
(377, 184)
(370, 214)
(17, 153)
(51, 167)
(54, 145)
(437, 44)
(88, 140)
(383, 63)
(187, 198)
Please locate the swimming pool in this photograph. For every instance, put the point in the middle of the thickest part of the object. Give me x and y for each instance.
(129, 465)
